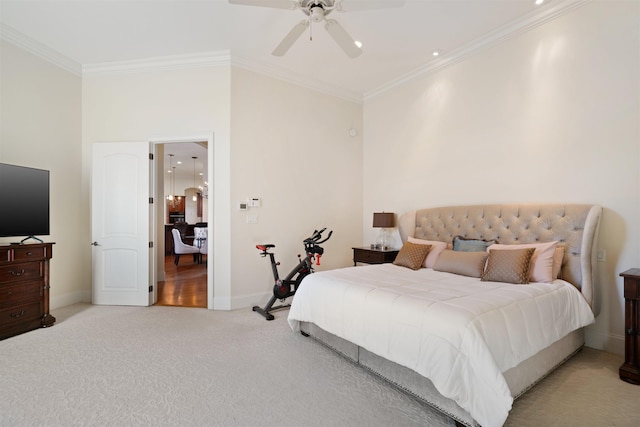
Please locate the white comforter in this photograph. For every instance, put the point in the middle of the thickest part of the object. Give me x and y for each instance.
(458, 331)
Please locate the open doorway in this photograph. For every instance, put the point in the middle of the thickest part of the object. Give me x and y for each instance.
(182, 170)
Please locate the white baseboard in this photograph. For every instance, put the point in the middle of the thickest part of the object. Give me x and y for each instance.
(243, 301)
(611, 343)
(71, 298)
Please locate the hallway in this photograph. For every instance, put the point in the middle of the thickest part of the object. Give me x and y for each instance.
(185, 284)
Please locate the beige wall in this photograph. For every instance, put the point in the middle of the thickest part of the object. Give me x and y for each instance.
(552, 115)
(169, 106)
(288, 145)
(291, 147)
(40, 127)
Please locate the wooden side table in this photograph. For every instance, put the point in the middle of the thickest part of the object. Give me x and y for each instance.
(367, 255)
(630, 369)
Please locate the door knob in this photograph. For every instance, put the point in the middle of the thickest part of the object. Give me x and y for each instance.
(95, 244)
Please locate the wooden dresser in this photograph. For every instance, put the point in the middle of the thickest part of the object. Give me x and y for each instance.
(24, 288)
(630, 369)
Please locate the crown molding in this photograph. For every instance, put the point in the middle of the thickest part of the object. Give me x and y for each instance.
(283, 74)
(40, 50)
(530, 21)
(526, 23)
(160, 63)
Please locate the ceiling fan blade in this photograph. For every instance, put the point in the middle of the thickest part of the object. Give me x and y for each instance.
(348, 5)
(278, 4)
(343, 38)
(290, 38)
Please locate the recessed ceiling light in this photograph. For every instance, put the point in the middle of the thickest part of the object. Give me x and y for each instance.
(358, 43)
(179, 163)
(436, 52)
(538, 2)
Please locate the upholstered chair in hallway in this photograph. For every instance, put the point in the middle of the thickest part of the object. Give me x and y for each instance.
(180, 248)
(201, 235)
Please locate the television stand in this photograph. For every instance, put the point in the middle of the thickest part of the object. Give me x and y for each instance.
(30, 237)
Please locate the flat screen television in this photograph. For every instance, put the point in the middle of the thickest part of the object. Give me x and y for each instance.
(24, 193)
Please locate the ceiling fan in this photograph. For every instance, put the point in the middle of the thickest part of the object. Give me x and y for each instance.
(317, 11)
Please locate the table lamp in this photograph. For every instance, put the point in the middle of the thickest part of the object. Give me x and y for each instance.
(384, 221)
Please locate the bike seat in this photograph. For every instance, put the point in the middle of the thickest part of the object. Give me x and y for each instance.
(265, 247)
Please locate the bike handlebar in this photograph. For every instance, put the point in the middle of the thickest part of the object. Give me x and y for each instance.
(316, 236)
(314, 240)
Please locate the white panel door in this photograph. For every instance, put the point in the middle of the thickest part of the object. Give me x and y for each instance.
(120, 223)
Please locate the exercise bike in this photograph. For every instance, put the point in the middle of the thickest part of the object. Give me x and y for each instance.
(287, 287)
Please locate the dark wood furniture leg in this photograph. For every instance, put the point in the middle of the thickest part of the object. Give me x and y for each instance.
(630, 369)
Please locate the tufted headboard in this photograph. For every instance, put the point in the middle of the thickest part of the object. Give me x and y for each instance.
(574, 226)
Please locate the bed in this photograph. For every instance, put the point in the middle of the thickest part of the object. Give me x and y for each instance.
(466, 345)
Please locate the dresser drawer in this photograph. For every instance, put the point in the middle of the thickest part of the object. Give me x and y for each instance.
(26, 253)
(21, 313)
(20, 293)
(4, 254)
(21, 272)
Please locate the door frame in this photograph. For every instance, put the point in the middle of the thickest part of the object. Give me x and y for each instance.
(159, 198)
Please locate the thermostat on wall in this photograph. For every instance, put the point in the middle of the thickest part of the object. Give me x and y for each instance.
(254, 202)
(242, 206)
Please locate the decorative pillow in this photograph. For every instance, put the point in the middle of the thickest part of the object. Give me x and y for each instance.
(434, 253)
(412, 255)
(541, 269)
(508, 265)
(558, 257)
(471, 245)
(463, 263)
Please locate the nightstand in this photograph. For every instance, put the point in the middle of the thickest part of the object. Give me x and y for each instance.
(630, 369)
(373, 256)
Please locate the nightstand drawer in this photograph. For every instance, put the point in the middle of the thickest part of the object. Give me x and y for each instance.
(373, 256)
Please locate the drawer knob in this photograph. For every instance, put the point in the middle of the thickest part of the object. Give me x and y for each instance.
(17, 273)
(16, 315)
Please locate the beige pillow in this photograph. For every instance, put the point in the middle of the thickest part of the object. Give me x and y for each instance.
(412, 255)
(558, 257)
(464, 263)
(541, 269)
(434, 253)
(508, 265)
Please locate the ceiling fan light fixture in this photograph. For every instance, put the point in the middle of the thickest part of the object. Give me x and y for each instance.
(316, 11)
(317, 14)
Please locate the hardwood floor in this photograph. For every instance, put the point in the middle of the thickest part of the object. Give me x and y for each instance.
(185, 284)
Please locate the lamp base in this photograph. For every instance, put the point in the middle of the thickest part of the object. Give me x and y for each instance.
(384, 240)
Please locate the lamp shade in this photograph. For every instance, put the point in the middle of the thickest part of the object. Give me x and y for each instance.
(383, 219)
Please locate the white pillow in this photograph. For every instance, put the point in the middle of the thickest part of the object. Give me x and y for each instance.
(541, 269)
(434, 253)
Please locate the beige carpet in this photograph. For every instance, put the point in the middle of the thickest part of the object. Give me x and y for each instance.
(168, 366)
